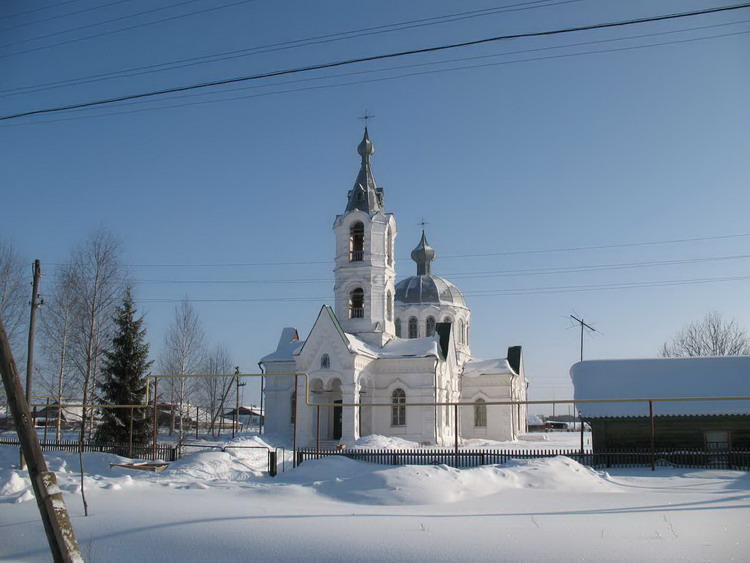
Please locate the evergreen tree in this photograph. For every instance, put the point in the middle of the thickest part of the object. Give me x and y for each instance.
(124, 378)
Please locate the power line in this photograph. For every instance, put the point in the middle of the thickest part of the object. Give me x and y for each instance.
(492, 293)
(459, 59)
(456, 275)
(385, 56)
(508, 253)
(42, 8)
(91, 9)
(397, 77)
(162, 20)
(315, 40)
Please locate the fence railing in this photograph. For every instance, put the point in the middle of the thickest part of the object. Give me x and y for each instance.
(166, 452)
(712, 459)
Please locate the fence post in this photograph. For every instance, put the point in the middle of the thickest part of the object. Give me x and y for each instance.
(455, 432)
(130, 435)
(272, 462)
(651, 418)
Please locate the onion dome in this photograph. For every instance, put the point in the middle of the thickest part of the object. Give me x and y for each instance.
(425, 287)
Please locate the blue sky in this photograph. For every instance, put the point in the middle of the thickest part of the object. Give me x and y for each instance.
(631, 145)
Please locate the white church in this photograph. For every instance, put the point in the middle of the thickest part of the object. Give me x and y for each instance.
(391, 344)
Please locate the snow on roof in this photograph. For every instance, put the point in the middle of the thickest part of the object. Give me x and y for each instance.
(398, 347)
(662, 378)
(289, 344)
(476, 367)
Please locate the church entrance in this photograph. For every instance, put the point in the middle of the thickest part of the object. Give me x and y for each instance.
(337, 418)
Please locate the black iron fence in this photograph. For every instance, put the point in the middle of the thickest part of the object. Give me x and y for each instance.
(712, 459)
(166, 452)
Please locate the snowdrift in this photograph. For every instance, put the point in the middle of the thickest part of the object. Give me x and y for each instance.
(362, 483)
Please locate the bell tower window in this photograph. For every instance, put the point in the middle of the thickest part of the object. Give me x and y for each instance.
(357, 303)
(357, 242)
(389, 306)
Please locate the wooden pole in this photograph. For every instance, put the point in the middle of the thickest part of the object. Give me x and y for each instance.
(155, 429)
(651, 420)
(294, 425)
(580, 418)
(60, 534)
(197, 414)
(32, 325)
(455, 432)
(130, 435)
(46, 419)
(30, 350)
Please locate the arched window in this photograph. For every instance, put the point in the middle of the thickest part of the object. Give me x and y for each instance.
(398, 410)
(480, 413)
(357, 242)
(293, 401)
(389, 306)
(413, 327)
(461, 335)
(398, 328)
(429, 326)
(357, 304)
(447, 320)
(325, 362)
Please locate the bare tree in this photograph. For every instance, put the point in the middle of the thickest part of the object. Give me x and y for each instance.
(58, 321)
(14, 293)
(215, 390)
(183, 354)
(98, 279)
(710, 336)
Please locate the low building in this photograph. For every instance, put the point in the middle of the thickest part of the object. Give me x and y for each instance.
(694, 424)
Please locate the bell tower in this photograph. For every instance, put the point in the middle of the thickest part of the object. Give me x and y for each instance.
(364, 273)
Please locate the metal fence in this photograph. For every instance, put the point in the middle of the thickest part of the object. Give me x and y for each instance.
(166, 452)
(601, 459)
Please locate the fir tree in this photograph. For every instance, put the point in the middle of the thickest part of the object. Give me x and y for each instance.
(124, 378)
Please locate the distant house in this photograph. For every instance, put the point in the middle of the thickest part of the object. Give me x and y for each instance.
(697, 425)
(249, 416)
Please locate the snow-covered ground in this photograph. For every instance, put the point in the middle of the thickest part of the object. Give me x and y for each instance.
(214, 505)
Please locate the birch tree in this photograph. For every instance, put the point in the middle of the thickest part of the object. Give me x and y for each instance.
(58, 320)
(215, 390)
(183, 354)
(98, 279)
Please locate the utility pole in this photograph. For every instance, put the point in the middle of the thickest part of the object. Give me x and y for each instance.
(60, 534)
(35, 303)
(584, 326)
(237, 401)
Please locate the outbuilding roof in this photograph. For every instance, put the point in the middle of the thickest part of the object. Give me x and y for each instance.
(661, 378)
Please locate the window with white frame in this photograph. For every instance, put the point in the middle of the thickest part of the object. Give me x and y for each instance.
(480, 413)
(413, 327)
(398, 410)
